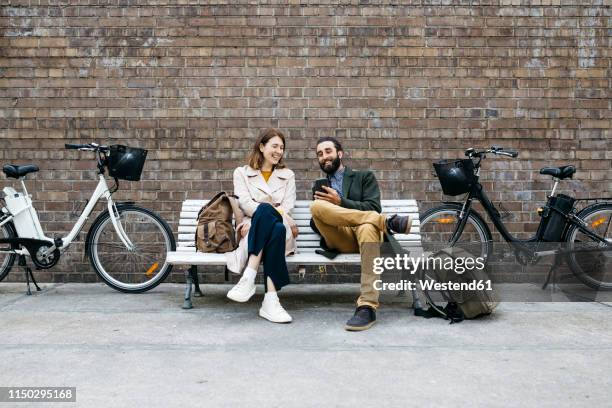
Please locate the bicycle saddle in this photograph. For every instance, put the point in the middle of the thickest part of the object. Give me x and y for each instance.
(19, 171)
(559, 172)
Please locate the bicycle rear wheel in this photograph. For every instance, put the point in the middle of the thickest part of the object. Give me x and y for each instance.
(7, 259)
(594, 269)
(131, 271)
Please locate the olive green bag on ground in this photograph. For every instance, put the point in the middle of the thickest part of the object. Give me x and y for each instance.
(215, 231)
(466, 303)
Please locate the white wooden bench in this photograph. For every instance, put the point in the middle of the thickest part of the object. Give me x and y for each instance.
(307, 241)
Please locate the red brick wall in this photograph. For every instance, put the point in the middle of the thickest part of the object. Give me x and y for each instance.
(401, 83)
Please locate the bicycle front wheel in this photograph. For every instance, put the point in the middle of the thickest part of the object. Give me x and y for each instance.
(438, 225)
(437, 228)
(594, 269)
(126, 270)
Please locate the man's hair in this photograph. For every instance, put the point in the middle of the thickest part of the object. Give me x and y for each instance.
(335, 141)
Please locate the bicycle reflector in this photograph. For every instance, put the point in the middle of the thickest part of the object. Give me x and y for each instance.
(596, 223)
(152, 269)
(445, 220)
(126, 163)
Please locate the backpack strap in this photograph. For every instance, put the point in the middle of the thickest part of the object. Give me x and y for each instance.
(450, 312)
(238, 214)
(206, 237)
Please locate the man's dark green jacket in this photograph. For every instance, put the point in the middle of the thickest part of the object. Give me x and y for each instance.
(360, 190)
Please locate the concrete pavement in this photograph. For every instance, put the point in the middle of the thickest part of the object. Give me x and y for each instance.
(123, 350)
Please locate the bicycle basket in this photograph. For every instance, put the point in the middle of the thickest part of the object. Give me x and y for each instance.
(456, 176)
(126, 163)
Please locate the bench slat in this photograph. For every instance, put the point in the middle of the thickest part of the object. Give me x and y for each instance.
(187, 239)
(193, 215)
(179, 258)
(191, 229)
(306, 210)
(306, 203)
(385, 209)
(304, 258)
(303, 238)
(314, 242)
(190, 246)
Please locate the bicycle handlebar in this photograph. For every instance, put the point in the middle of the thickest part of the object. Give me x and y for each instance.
(93, 147)
(471, 152)
(102, 153)
(73, 146)
(510, 153)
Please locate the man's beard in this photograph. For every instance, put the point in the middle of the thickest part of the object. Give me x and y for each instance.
(332, 167)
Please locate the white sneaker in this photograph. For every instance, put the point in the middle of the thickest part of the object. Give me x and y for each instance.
(242, 291)
(272, 310)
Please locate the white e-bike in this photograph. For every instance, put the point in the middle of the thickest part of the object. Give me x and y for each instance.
(126, 244)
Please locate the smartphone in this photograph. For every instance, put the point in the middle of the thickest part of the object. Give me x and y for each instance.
(318, 186)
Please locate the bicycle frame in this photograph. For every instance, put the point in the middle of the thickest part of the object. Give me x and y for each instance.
(101, 191)
(479, 194)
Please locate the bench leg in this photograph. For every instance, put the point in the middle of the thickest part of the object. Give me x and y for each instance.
(416, 300)
(196, 281)
(187, 299)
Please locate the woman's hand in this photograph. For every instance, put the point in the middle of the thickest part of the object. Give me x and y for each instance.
(294, 230)
(242, 230)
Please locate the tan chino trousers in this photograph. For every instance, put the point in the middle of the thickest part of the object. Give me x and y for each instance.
(346, 230)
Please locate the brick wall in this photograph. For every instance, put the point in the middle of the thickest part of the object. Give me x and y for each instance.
(402, 83)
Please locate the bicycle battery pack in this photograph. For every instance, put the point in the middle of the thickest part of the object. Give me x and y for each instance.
(553, 218)
(24, 215)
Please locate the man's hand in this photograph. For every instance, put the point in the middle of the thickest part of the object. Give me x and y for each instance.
(331, 195)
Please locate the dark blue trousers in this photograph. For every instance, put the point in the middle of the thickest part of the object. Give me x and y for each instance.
(267, 233)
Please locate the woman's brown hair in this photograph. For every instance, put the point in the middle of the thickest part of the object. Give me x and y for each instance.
(255, 158)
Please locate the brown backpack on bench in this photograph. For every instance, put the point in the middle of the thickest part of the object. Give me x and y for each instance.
(215, 231)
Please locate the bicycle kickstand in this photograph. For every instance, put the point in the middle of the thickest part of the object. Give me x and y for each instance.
(552, 273)
(28, 275)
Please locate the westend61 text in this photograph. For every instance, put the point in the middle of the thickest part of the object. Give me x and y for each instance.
(433, 285)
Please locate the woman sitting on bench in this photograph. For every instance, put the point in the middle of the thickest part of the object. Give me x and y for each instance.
(266, 193)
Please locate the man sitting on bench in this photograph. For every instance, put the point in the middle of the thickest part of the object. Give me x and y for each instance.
(346, 213)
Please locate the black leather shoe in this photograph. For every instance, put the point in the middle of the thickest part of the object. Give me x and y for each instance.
(363, 319)
(399, 224)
